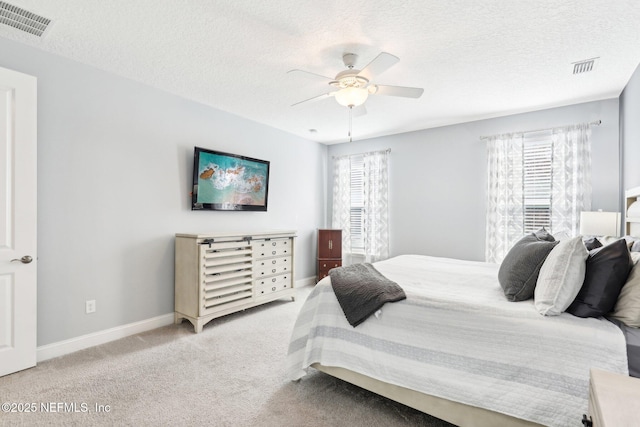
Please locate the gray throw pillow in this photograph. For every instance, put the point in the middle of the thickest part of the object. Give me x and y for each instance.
(519, 270)
(591, 243)
(543, 234)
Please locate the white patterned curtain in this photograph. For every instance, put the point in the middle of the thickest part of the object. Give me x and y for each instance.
(374, 209)
(570, 186)
(341, 217)
(571, 191)
(505, 202)
(376, 206)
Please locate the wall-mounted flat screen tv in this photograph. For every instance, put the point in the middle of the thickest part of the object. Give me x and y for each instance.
(229, 182)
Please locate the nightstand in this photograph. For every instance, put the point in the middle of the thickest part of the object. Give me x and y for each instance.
(614, 400)
(329, 251)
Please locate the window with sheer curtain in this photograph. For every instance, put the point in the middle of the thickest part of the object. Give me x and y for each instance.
(360, 205)
(535, 180)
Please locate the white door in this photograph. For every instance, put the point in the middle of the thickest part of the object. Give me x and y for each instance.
(18, 255)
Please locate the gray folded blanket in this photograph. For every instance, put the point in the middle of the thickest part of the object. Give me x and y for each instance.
(361, 291)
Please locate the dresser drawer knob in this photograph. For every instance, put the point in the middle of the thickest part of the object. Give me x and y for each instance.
(273, 289)
(273, 270)
(274, 279)
(273, 262)
(273, 253)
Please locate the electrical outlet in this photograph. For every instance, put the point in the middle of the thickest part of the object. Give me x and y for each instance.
(90, 306)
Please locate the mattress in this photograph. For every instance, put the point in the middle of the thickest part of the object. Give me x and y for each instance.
(458, 338)
(632, 338)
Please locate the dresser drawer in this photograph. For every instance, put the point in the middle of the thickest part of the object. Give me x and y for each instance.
(270, 271)
(271, 248)
(273, 262)
(272, 284)
(325, 265)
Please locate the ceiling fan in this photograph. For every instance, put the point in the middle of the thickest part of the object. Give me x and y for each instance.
(352, 87)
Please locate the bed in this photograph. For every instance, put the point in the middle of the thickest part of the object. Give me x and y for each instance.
(457, 349)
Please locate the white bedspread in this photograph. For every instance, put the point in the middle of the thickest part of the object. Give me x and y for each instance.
(457, 337)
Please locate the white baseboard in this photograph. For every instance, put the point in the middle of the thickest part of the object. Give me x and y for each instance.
(61, 348)
(307, 281)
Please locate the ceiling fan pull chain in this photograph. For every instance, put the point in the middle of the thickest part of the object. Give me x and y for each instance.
(350, 120)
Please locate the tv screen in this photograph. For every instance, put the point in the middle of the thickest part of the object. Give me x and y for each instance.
(229, 182)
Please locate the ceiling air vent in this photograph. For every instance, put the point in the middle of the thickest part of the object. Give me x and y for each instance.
(23, 20)
(584, 66)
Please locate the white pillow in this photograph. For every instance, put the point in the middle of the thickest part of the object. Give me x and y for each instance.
(561, 277)
(607, 240)
(632, 242)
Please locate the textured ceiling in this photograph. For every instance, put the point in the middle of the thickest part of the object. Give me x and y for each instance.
(474, 59)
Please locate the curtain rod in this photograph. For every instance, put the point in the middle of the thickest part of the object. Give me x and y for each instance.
(388, 150)
(594, 123)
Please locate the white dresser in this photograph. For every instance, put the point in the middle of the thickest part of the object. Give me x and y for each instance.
(613, 400)
(221, 273)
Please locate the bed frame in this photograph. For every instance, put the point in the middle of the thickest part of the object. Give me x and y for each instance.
(447, 410)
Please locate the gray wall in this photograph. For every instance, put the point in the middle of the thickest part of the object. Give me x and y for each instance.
(114, 167)
(438, 176)
(630, 131)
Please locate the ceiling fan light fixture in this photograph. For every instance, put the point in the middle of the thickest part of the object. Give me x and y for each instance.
(348, 79)
(351, 96)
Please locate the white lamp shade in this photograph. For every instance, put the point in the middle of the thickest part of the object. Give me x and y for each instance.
(600, 223)
(351, 96)
(634, 210)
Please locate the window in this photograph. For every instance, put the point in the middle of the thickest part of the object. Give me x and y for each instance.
(536, 179)
(357, 204)
(536, 163)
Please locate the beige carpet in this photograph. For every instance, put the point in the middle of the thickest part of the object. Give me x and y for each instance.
(232, 374)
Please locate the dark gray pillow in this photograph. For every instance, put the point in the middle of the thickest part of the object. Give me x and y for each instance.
(607, 271)
(591, 243)
(519, 270)
(543, 234)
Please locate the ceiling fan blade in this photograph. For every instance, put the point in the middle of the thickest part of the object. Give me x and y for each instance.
(315, 98)
(406, 92)
(309, 75)
(358, 111)
(379, 65)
